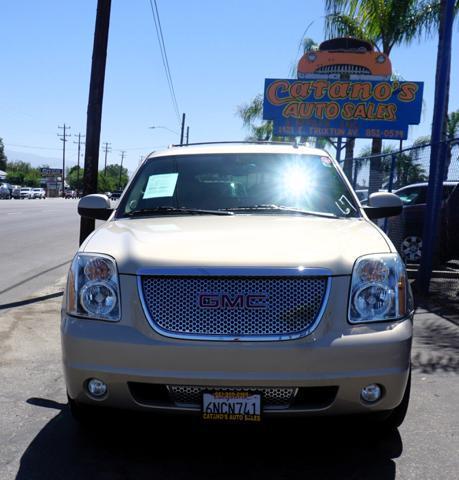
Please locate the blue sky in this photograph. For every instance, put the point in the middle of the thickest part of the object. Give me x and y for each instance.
(219, 54)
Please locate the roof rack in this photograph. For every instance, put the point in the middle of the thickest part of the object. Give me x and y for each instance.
(255, 142)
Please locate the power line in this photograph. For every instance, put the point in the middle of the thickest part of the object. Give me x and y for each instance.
(31, 146)
(38, 147)
(162, 48)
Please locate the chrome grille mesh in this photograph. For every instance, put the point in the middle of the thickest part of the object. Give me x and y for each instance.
(344, 68)
(293, 305)
(273, 397)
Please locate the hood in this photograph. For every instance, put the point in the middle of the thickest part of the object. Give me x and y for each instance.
(237, 241)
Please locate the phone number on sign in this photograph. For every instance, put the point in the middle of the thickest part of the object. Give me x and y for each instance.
(376, 133)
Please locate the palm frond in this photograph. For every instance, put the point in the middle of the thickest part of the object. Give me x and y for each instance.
(452, 126)
(252, 111)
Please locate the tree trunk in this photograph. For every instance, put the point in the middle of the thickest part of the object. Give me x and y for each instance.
(376, 173)
(348, 158)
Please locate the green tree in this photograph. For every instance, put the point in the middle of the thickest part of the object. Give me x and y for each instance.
(452, 132)
(74, 179)
(408, 167)
(111, 180)
(17, 171)
(3, 159)
(32, 178)
(385, 24)
(252, 118)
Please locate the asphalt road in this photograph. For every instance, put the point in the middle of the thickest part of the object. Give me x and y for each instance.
(38, 238)
(40, 441)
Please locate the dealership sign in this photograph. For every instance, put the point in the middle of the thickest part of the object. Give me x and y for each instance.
(342, 108)
(51, 172)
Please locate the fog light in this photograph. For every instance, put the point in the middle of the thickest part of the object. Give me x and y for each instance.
(97, 388)
(371, 393)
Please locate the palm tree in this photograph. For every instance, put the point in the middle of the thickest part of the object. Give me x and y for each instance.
(408, 166)
(385, 24)
(252, 118)
(452, 132)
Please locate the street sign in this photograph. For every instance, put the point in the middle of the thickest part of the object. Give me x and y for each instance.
(342, 108)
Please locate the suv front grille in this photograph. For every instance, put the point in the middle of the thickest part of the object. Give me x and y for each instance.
(292, 306)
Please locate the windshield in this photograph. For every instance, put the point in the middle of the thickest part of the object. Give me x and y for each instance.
(267, 183)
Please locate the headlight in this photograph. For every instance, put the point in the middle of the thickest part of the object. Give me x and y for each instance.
(93, 288)
(380, 58)
(379, 289)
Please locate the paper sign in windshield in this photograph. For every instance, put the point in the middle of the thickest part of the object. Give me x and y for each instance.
(161, 185)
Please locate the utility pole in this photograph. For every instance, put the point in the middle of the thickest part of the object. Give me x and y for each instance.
(106, 150)
(123, 153)
(63, 137)
(187, 134)
(437, 150)
(78, 163)
(182, 131)
(94, 116)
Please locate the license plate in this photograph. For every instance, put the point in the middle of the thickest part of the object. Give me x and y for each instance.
(231, 406)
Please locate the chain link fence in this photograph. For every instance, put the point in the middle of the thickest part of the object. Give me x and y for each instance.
(406, 173)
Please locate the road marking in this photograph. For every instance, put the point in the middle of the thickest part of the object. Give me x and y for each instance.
(14, 213)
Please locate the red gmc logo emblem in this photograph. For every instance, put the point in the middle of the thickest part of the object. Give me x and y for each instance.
(224, 300)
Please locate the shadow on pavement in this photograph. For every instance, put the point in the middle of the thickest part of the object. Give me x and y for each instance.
(439, 341)
(141, 446)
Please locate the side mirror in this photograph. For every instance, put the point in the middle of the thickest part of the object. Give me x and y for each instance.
(95, 206)
(383, 204)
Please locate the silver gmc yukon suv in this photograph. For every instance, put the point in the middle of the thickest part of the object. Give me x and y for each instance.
(237, 281)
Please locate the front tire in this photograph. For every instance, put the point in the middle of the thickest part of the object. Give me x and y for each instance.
(398, 414)
(392, 419)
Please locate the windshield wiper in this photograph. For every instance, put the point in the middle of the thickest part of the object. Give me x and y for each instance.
(170, 209)
(280, 208)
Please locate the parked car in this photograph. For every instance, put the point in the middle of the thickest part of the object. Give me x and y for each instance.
(116, 195)
(414, 198)
(38, 193)
(70, 194)
(26, 192)
(279, 297)
(5, 190)
(16, 193)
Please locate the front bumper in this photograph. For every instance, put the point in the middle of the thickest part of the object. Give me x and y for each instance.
(337, 354)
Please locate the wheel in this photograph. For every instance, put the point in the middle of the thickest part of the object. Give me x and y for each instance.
(398, 414)
(412, 248)
(394, 418)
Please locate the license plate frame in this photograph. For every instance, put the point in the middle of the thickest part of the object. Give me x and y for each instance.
(231, 406)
